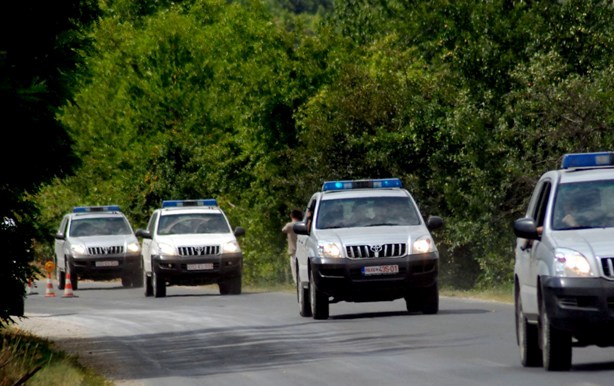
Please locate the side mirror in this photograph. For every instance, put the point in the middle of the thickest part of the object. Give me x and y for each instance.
(434, 222)
(144, 233)
(300, 228)
(239, 231)
(60, 236)
(525, 228)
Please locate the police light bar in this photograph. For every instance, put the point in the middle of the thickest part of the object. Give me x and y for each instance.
(101, 208)
(362, 184)
(183, 203)
(587, 160)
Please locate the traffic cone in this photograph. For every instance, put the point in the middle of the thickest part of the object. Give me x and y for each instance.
(68, 287)
(49, 293)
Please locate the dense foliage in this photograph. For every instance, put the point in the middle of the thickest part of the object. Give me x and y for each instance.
(256, 103)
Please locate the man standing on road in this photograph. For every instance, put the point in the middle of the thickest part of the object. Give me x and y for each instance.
(295, 215)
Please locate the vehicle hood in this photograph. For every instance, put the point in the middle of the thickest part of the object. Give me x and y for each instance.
(373, 235)
(196, 239)
(101, 241)
(589, 242)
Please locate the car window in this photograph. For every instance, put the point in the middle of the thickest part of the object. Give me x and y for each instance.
(584, 205)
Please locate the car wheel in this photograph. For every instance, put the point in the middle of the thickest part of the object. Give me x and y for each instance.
(556, 344)
(527, 337)
(159, 286)
(126, 282)
(74, 278)
(230, 286)
(430, 305)
(303, 299)
(147, 284)
(61, 276)
(137, 278)
(319, 300)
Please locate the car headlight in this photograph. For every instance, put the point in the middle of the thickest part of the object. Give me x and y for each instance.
(329, 250)
(78, 249)
(423, 244)
(570, 263)
(166, 249)
(231, 247)
(134, 247)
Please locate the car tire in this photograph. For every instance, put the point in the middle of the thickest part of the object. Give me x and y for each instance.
(147, 284)
(319, 300)
(527, 337)
(230, 286)
(304, 302)
(137, 279)
(126, 282)
(556, 344)
(74, 278)
(158, 284)
(430, 299)
(61, 276)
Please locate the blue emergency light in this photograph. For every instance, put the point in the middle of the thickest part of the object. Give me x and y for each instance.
(184, 203)
(100, 208)
(587, 160)
(362, 184)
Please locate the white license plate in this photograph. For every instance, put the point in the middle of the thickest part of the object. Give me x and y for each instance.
(196, 267)
(110, 263)
(380, 270)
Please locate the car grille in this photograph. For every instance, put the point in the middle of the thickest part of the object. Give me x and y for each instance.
(110, 250)
(376, 250)
(201, 250)
(607, 264)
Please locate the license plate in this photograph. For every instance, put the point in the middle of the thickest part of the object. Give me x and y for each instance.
(380, 270)
(110, 263)
(196, 267)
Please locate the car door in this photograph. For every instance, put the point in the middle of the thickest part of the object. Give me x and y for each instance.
(302, 243)
(146, 244)
(59, 243)
(528, 251)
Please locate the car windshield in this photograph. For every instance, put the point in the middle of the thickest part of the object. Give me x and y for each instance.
(103, 226)
(584, 205)
(366, 212)
(192, 223)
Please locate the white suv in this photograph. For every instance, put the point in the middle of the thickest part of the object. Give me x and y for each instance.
(365, 241)
(564, 262)
(190, 242)
(97, 243)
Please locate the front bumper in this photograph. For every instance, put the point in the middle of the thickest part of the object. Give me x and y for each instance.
(344, 280)
(183, 271)
(582, 306)
(105, 267)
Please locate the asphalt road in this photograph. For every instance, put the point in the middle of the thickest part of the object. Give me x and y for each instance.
(194, 336)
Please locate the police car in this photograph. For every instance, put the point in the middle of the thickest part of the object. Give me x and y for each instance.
(564, 262)
(190, 242)
(97, 243)
(365, 241)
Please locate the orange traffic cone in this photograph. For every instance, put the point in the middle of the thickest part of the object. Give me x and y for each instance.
(68, 287)
(49, 290)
